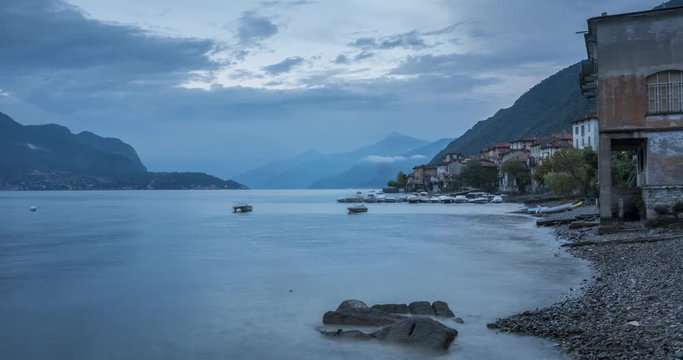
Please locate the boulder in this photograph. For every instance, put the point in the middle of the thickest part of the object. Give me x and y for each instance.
(355, 312)
(441, 309)
(347, 334)
(421, 308)
(392, 308)
(418, 331)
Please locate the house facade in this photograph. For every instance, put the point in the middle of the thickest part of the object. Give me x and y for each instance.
(585, 132)
(635, 72)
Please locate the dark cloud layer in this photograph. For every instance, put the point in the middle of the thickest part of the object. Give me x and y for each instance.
(284, 66)
(253, 27)
(45, 34)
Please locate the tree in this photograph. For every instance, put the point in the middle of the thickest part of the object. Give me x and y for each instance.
(624, 170)
(578, 168)
(475, 175)
(517, 171)
(400, 182)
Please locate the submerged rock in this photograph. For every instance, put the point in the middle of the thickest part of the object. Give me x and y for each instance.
(392, 308)
(348, 334)
(421, 308)
(441, 309)
(419, 331)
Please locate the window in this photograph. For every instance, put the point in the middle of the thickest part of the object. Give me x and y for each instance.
(577, 143)
(576, 130)
(583, 142)
(582, 131)
(664, 90)
(589, 141)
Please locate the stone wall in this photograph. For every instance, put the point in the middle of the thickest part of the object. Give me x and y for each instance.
(661, 195)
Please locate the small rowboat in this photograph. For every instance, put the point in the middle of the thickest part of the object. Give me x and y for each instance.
(358, 209)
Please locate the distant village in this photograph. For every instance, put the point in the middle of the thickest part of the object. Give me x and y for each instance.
(529, 153)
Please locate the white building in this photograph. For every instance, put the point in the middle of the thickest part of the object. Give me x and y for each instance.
(585, 132)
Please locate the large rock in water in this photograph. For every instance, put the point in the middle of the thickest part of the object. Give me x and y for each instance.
(441, 309)
(418, 331)
(355, 312)
(421, 308)
(392, 308)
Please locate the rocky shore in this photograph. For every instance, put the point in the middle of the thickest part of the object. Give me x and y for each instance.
(632, 308)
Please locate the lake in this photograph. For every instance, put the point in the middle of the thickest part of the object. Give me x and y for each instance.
(177, 275)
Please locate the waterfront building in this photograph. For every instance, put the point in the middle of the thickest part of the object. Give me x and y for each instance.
(634, 71)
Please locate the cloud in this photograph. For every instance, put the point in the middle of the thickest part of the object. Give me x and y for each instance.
(52, 35)
(341, 59)
(414, 39)
(284, 66)
(377, 159)
(253, 27)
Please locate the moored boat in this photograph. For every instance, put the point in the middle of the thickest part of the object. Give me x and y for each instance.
(356, 198)
(460, 199)
(413, 199)
(357, 209)
(242, 208)
(497, 199)
(445, 199)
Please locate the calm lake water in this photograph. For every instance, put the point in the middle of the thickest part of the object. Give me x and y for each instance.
(176, 275)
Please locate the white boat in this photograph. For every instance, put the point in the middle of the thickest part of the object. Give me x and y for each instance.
(356, 198)
(242, 208)
(357, 209)
(413, 199)
(434, 200)
(444, 199)
(478, 200)
(370, 198)
(391, 199)
(381, 198)
(497, 199)
(460, 199)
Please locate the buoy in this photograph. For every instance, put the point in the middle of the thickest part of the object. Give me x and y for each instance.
(33, 208)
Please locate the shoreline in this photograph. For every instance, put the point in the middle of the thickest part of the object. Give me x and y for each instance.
(632, 308)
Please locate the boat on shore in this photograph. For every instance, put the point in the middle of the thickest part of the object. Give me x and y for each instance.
(357, 209)
(413, 199)
(445, 199)
(242, 208)
(460, 199)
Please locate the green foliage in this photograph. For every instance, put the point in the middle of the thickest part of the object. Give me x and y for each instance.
(519, 172)
(456, 184)
(562, 184)
(624, 170)
(400, 182)
(578, 167)
(475, 175)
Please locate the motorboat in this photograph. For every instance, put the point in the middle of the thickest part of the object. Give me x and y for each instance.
(381, 198)
(391, 199)
(497, 199)
(370, 198)
(552, 209)
(445, 199)
(241, 208)
(460, 199)
(435, 199)
(413, 199)
(356, 198)
(357, 209)
(478, 200)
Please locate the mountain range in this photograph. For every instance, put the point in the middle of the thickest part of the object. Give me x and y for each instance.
(546, 108)
(50, 157)
(370, 166)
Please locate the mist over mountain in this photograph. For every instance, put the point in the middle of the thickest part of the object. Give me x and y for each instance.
(51, 157)
(368, 166)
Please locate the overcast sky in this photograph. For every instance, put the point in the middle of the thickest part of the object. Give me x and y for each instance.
(223, 86)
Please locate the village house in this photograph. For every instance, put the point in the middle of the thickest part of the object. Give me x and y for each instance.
(635, 72)
(508, 183)
(493, 153)
(585, 131)
(523, 143)
(546, 147)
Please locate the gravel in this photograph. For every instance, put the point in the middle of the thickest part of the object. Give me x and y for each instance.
(631, 309)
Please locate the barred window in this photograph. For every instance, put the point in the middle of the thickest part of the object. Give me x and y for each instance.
(664, 90)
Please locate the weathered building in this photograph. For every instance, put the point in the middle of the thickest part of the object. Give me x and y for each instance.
(635, 72)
